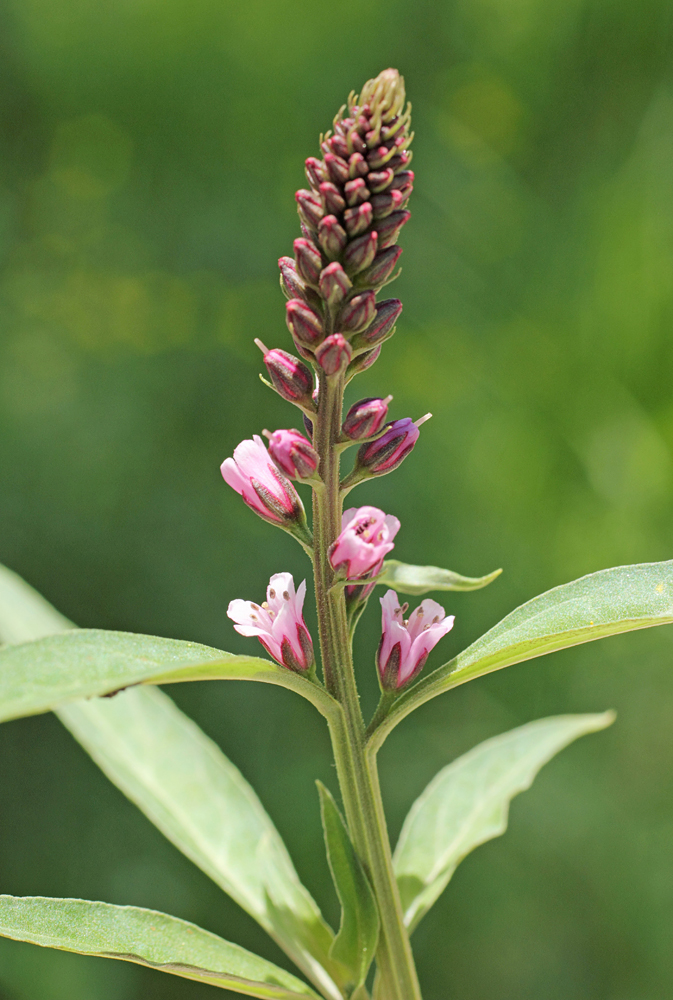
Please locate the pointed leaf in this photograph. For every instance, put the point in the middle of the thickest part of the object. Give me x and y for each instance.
(595, 606)
(355, 944)
(186, 786)
(467, 803)
(25, 614)
(145, 937)
(415, 580)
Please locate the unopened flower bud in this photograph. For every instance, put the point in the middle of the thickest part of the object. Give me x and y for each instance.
(362, 362)
(382, 325)
(336, 168)
(401, 162)
(357, 166)
(384, 204)
(389, 228)
(366, 418)
(254, 476)
(334, 202)
(293, 454)
(290, 282)
(308, 260)
(360, 253)
(334, 354)
(379, 157)
(315, 171)
(309, 207)
(389, 450)
(356, 191)
(379, 180)
(290, 378)
(334, 284)
(381, 271)
(332, 236)
(304, 323)
(357, 313)
(403, 181)
(358, 219)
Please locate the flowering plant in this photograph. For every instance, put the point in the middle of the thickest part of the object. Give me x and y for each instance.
(351, 217)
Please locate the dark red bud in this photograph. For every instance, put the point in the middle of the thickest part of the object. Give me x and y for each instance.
(358, 312)
(357, 165)
(310, 208)
(332, 236)
(381, 270)
(292, 285)
(290, 378)
(401, 162)
(357, 142)
(378, 158)
(308, 260)
(360, 253)
(386, 315)
(356, 191)
(336, 168)
(315, 171)
(304, 323)
(365, 418)
(334, 354)
(384, 204)
(358, 219)
(379, 180)
(334, 284)
(389, 228)
(334, 203)
(402, 179)
(336, 145)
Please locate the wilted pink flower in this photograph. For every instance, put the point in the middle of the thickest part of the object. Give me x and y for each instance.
(278, 623)
(252, 473)
(366, 538)
(292, 453)
(405, 645)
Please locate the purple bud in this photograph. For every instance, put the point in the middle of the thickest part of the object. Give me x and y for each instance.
(304, 323)
(389, 229)
(334, 284)
(362, 362)
(366, 418)
(356, 192)
(403, 180)
(379, 180)
(293, 454)
(384, 204)
(381, 327)
(290, 378)
(292, 285)
(378, 158)
(360, 253)
(336, 168)
(357, 165)
(309, 207)
(331, 236)
(336, 145)
(401, 162)
(334, 354)
(357, 313)
(315, 171)
(334, 203)
(390, 450)
(358, 219)
(308, 260)
(381, 270)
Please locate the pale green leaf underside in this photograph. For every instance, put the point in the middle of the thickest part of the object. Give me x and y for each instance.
(467, 803)
(147, 938)
(186, 786)
(595, 606)
(355, 943)
(415, 580)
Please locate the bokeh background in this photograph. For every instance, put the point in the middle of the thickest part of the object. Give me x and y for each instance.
(150, 151)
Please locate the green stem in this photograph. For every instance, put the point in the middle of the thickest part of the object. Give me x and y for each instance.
(356, 767)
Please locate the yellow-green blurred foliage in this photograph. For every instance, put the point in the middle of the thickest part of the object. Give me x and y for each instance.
(149, 155)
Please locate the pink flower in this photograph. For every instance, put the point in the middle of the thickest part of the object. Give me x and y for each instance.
(405, 645)
(252, 473)
(293, 454)
(278, 622)
(366, 538)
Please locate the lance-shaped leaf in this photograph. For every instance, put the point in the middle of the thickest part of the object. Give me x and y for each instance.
(595, 606)
(186, 786)
(467, 803)
(415, 580)
(355, 944)
(148, 938)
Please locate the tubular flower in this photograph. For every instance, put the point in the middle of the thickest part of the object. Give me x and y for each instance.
(405, 645)
(252, 473)
(278, 623)
(366, 538)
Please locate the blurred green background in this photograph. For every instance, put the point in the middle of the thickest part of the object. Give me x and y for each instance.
(150, 151)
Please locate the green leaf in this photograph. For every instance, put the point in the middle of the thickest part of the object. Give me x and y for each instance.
(406, 579)
(467, 803)
(186, 786)
(595, 606)
(355, 944)
(145, 937)
(25, 614)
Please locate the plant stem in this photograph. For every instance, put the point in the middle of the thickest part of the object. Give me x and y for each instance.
(356, 768)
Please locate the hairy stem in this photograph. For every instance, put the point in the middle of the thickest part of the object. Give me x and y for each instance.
(356, 769)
